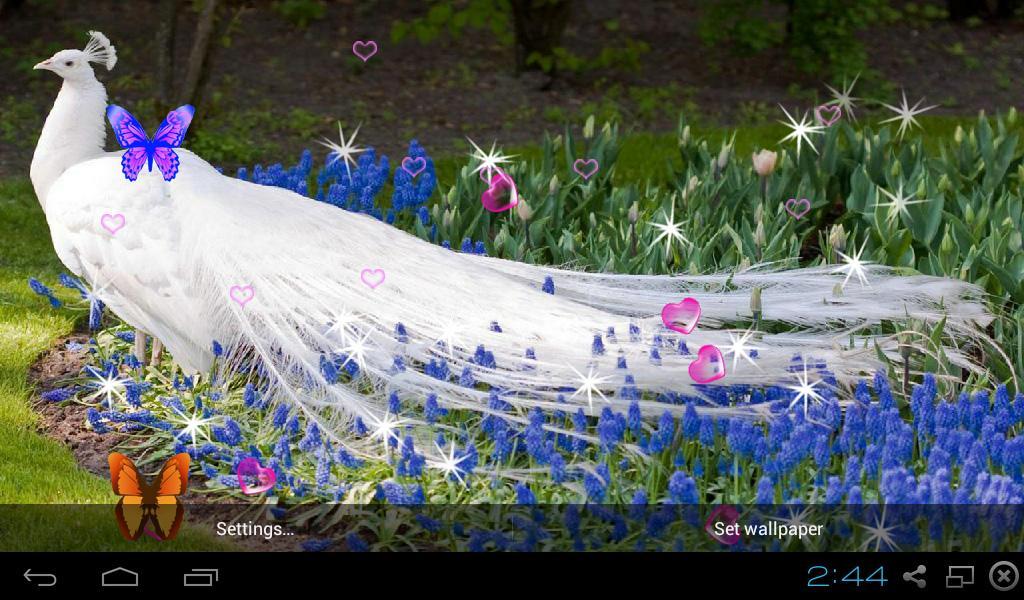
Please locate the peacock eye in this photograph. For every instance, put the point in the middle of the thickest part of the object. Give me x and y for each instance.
(70, 63)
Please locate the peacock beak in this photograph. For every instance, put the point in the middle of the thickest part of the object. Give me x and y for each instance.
(46, 65)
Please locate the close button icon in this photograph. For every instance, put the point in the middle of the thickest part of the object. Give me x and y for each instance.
(1004, 576)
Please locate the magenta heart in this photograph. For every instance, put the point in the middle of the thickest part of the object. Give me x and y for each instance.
(112, 222)
(253, 478)
(364, 50)
(803, 204)
(681, 316)
(709, 366)
(241, 294)
(414, 166)
(585, 168)
(372, 277)
(725, 532)
(833, 112)
(501, 193)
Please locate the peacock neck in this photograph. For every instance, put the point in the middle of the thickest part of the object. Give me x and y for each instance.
(74, 131)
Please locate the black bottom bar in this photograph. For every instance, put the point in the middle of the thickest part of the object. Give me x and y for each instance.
(211, 574)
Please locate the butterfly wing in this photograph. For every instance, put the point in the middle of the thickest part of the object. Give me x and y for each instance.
(129, 484)
(166, 516)
(168, 512)
(132, 162)
(167, 161)
(172, 131)
(127, 130)
(173, 479)
(124, 476)
(169, 135)
(131, 517)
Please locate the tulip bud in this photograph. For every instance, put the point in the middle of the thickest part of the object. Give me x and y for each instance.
(451, 195)
(634, 213)
(723, 156)
(922, 190)
(523, 210)
(755, 303)
(897, 168)
(553, 184)
(447, 220)
(557, 142)
(588, 128)
(1011, 117)
(837, 237)
(958, 135)
(593, 221)
(684, 138)
(759, 213)
(692, 184)
(947, 246)
(945, 185)
(759, 235)
(764, 162)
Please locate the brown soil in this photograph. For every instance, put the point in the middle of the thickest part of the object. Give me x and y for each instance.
(64, 422)
(444, 91)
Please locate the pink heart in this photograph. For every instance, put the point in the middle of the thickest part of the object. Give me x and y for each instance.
(681, 316)
(241, 294)
(414, 166)
(501, 193)
(112, 222)
(372, 277)
(803, 203)
(585, 168)
(726, 515)
(364, 50)
(709, 366)
(250, 470)
(835, 111)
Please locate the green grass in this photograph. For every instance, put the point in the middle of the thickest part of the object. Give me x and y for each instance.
(33, 468)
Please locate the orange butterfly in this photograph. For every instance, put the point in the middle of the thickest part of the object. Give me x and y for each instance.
(145, 502)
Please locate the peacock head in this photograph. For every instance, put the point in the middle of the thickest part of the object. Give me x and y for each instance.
(73, 65)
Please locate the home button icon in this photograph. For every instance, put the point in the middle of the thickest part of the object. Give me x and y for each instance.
(120, 577)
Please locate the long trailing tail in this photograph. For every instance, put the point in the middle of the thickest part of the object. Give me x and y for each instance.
(462, 331)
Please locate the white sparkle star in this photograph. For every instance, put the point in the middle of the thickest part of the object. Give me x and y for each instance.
(449, 335)
(805, 391)
(384, 428)
(343, 150)
(590, 384)
(449, 465)
(905, 114)
(800, 130)
(489, 161)
(356, 350)
(106, 385)
(844, 99)
(854, 266)
(738, 348)
(193, 425)
(670, 231)
(340, 323)
(898, 203)
(879, 534)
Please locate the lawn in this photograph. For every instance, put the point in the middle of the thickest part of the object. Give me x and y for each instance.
(33, 468)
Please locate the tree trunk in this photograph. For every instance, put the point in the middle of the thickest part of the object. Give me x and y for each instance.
(200, 49)
(165, 34)
(539, 25)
